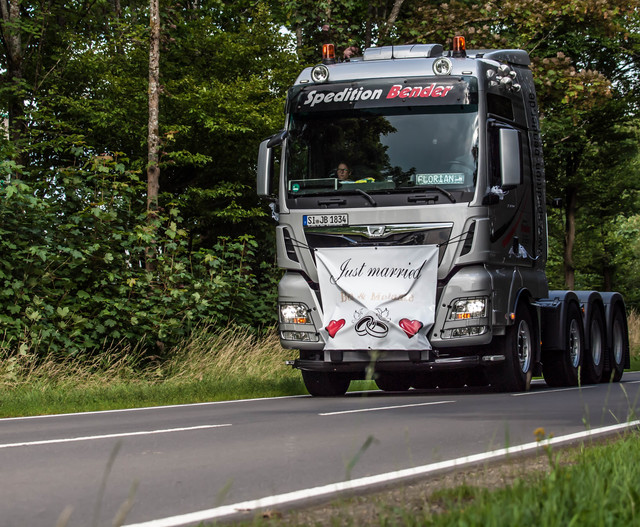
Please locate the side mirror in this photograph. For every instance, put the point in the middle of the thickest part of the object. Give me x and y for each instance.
(510, 159)
(265, 162)
(265, 156)
(277, 139)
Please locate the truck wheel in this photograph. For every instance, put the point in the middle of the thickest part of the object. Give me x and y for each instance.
(325, 384)
(561, 368)
(593, 365)
(619, 345)
(518, 348)
(393, 382)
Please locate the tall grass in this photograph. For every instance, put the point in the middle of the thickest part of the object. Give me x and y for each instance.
(633, 321)
(211, 365)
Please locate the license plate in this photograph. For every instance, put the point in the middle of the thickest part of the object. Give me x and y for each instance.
(325, 220)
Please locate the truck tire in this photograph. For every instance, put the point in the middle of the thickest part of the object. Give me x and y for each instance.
(325, 384)
(393, 382)
(619, 346)
(518, 347)
(561, 368)
(593, 363)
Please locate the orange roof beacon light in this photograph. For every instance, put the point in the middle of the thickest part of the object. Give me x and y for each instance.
(459, 47)
(328, 54)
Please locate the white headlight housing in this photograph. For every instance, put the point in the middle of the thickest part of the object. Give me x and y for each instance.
(294, 313)
(465, 308)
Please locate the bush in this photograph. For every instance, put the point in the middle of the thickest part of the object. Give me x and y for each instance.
(74, 279)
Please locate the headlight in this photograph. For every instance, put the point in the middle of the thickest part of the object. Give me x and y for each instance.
(294, 314)
(465, 308)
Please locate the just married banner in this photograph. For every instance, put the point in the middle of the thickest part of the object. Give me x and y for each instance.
(378, 298)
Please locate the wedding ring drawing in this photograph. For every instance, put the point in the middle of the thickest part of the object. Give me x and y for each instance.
(370, 326)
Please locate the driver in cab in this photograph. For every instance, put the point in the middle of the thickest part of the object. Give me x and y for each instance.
(343, 172)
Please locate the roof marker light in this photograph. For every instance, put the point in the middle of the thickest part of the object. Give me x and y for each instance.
(328, 54)
(459, 47)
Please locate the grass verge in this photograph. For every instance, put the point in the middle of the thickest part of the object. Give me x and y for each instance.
(212, 366)
(588, 486)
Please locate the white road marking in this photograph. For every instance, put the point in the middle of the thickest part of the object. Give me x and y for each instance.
(213, 403)
(553, 391)
(385, 408)
(109, 436)
(360, 483)
(121, 410)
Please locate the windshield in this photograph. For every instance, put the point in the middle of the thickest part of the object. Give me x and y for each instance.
(383, 150)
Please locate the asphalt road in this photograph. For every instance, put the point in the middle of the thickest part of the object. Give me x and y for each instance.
(173, 461)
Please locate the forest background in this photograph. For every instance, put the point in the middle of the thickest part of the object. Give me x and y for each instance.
(87, 263)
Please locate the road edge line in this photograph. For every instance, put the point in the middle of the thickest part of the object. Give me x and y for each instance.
(370, 481)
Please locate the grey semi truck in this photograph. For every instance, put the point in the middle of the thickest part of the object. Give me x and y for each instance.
(408, 185)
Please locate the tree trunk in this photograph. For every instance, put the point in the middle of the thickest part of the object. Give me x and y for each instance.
(117, 8)
(368, 26)
(607, 263)
(607, 278)
(299, 41)
(12, 40)
(153, 170)
(570, 236)
(390, 22)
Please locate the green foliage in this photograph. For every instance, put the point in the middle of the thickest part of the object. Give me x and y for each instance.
(600, 489)
(73, 233)
(72, 267)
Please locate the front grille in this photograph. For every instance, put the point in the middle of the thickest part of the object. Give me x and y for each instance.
(380, 236)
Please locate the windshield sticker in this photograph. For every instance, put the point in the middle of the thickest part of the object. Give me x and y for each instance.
(456, 178)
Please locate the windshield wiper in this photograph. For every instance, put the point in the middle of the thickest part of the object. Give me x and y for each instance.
(368, 197)
(427, 189)
(443, 191)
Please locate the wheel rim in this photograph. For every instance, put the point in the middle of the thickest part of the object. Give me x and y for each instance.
(574, 343)
(596, 343)
(524, 346)
(617, 342)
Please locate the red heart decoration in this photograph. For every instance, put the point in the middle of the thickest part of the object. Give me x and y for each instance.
(334, 326)
(410, 327)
